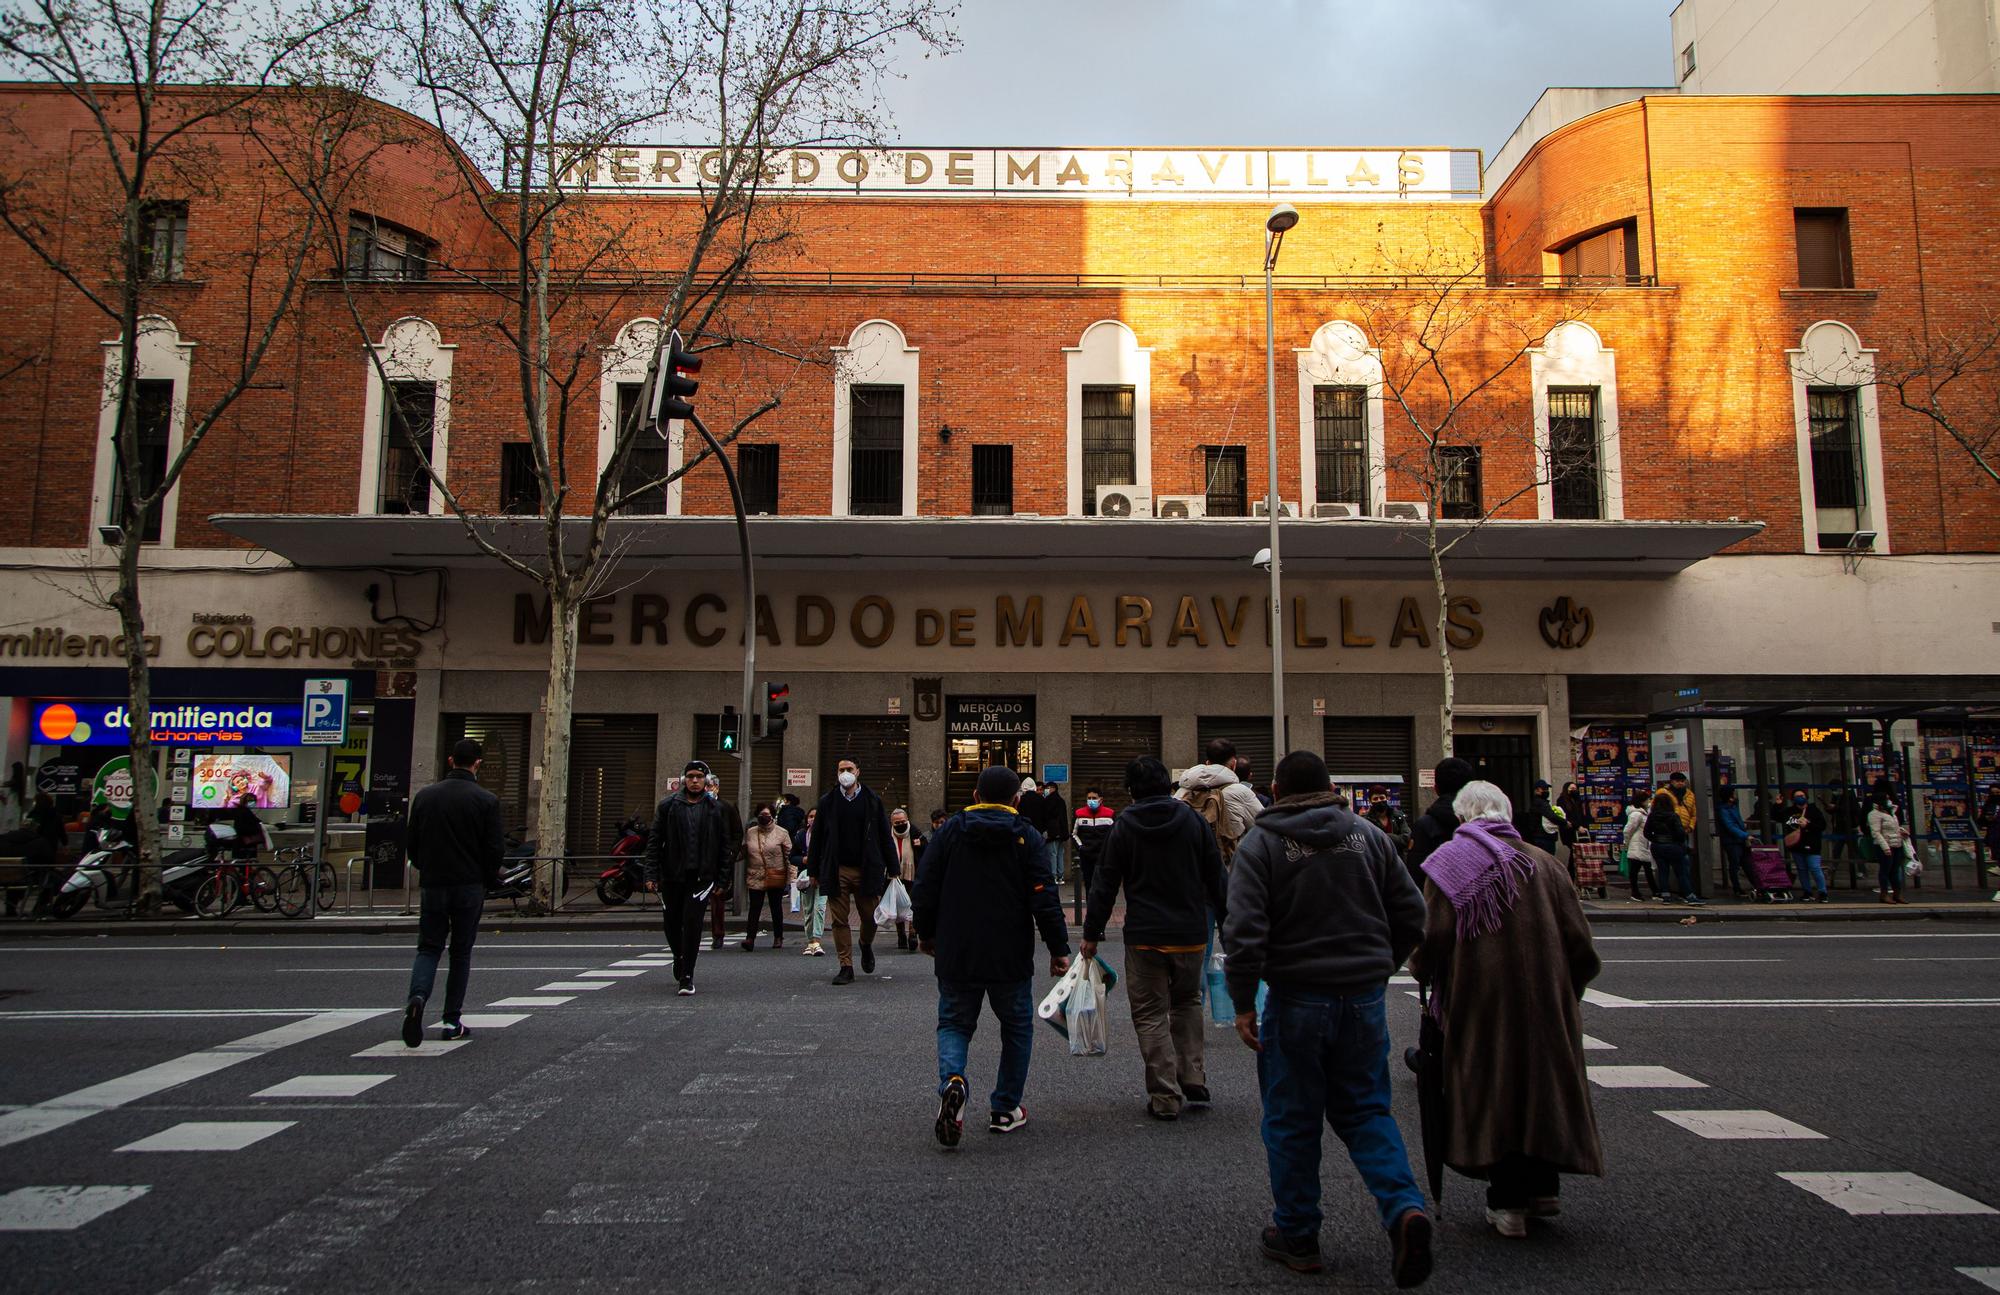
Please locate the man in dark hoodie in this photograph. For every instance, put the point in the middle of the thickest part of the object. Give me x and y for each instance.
(983, 890)
(1164, 855)
(1435, 825)
(1322, 910)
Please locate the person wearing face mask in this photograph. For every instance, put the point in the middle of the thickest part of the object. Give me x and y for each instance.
(853, 856)
(767, 874)
(1092, 829)
(725, 890)
(812, 904)
(909, 852)
(1805, 830)
(686, 857)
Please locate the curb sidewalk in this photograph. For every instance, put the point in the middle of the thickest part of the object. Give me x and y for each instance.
(1608, 912)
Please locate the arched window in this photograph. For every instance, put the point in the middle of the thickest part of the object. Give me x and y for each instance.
(1579, 470)
(1110, 414)
(653, 457)
(163, 362)
(1340, 420)
(406, 420)
(1839, 437)
(875, 403)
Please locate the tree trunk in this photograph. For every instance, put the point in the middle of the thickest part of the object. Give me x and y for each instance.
(552, 810)
(1447, 697)
(144, 824)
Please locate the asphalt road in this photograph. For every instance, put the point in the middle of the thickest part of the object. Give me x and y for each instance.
(773, 1133)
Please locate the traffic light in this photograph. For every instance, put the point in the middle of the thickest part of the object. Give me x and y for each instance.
(777, 701)
(671, 395)
(729, 732)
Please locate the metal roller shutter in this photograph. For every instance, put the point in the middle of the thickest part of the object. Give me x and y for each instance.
(1251, 734)
(878, 744)
(504, 771)
(1100, 746)
(612, 774)
(767, 766)
(1358, 748)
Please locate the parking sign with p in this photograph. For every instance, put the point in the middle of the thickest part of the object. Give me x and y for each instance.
(324, 719)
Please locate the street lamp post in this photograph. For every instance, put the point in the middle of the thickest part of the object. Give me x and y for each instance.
(1282, 217)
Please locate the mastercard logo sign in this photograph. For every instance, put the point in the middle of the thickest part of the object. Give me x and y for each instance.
(58, 723)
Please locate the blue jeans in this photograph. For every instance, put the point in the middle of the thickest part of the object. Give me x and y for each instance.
(1811, 879)
(1054, 854)
(1672, 861)
(448, 915)
(1327, 1058)
(1889, 871)
(958, 1017)
(1736, 861)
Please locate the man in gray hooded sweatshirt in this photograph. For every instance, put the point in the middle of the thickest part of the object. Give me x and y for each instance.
(1323, 911)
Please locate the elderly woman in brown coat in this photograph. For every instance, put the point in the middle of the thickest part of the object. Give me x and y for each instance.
(767, 873)
(1508, 953)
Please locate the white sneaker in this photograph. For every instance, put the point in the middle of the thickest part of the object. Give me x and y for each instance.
(1508, 1223)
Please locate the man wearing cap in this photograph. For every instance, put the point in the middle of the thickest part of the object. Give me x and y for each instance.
(852, 857)
(685, 858)
(983, 891)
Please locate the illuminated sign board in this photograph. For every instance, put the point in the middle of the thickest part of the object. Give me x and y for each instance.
(180, 723)
(1829, 732)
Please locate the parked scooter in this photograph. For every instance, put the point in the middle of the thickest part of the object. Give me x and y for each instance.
(517, 872)
(103, 876)
(617, 883)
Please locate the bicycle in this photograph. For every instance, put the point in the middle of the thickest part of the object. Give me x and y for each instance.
(290, 874)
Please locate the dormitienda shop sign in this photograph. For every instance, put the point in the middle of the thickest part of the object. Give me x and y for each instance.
(990, 717)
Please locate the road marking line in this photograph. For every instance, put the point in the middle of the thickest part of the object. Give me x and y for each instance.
(642, 962)
(492, 1020)
(573, 985)
(1598, 998)
(775, 1048)
(61, 1209)
(324, 1086)
(758, 1085)
(672, 1135)
(1886, 1194)
(1598, 1045)
(293, 1251)
(396, 1048)
(533, 1000)
(1987, 1277)
(204, 1135)
(613, 974)
(1725, 1126)
(1935, 959)
(1825, 935)
(1820, 1002)
(1640, 1077)
(1685, 962)
(164, 1014)
(626, 1203)
(58, 1112)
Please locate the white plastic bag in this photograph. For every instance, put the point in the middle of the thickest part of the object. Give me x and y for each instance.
(1085, 1014)
(895, 905)
(1913, 865)
(795, 896)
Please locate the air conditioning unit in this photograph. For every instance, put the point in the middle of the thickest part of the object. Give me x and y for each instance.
(1409, 510)
(1123, 501)
(1181, 506)
(1337, 512)
(1286, 508)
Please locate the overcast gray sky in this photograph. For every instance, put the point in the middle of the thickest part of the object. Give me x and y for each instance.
(1079, 73)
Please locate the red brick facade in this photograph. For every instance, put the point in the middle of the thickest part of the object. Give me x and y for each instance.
(991, 291)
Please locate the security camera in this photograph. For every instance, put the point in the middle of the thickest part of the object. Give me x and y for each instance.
(1262, 561)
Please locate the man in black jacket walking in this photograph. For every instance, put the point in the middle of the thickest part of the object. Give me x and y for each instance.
(982, 893)
(1165, 856)
(457, 843)
(852, 858)
(1436, 824)
(685, 859)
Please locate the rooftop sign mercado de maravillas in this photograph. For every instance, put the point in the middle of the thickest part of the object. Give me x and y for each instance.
(1291, 174)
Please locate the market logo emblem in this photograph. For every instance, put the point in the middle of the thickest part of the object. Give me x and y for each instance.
(58, 723)
(930, 698)
(1566, 625)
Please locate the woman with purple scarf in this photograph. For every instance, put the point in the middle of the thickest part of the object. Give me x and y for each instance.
(1507, 953)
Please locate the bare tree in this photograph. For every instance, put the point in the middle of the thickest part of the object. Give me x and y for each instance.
(539, 96)
(170, 91)
(1455, 357)
(1949, 377)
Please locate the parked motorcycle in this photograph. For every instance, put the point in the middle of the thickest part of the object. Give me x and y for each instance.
(617, 883)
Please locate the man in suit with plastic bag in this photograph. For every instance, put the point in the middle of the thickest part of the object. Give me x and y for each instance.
(983, 890)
